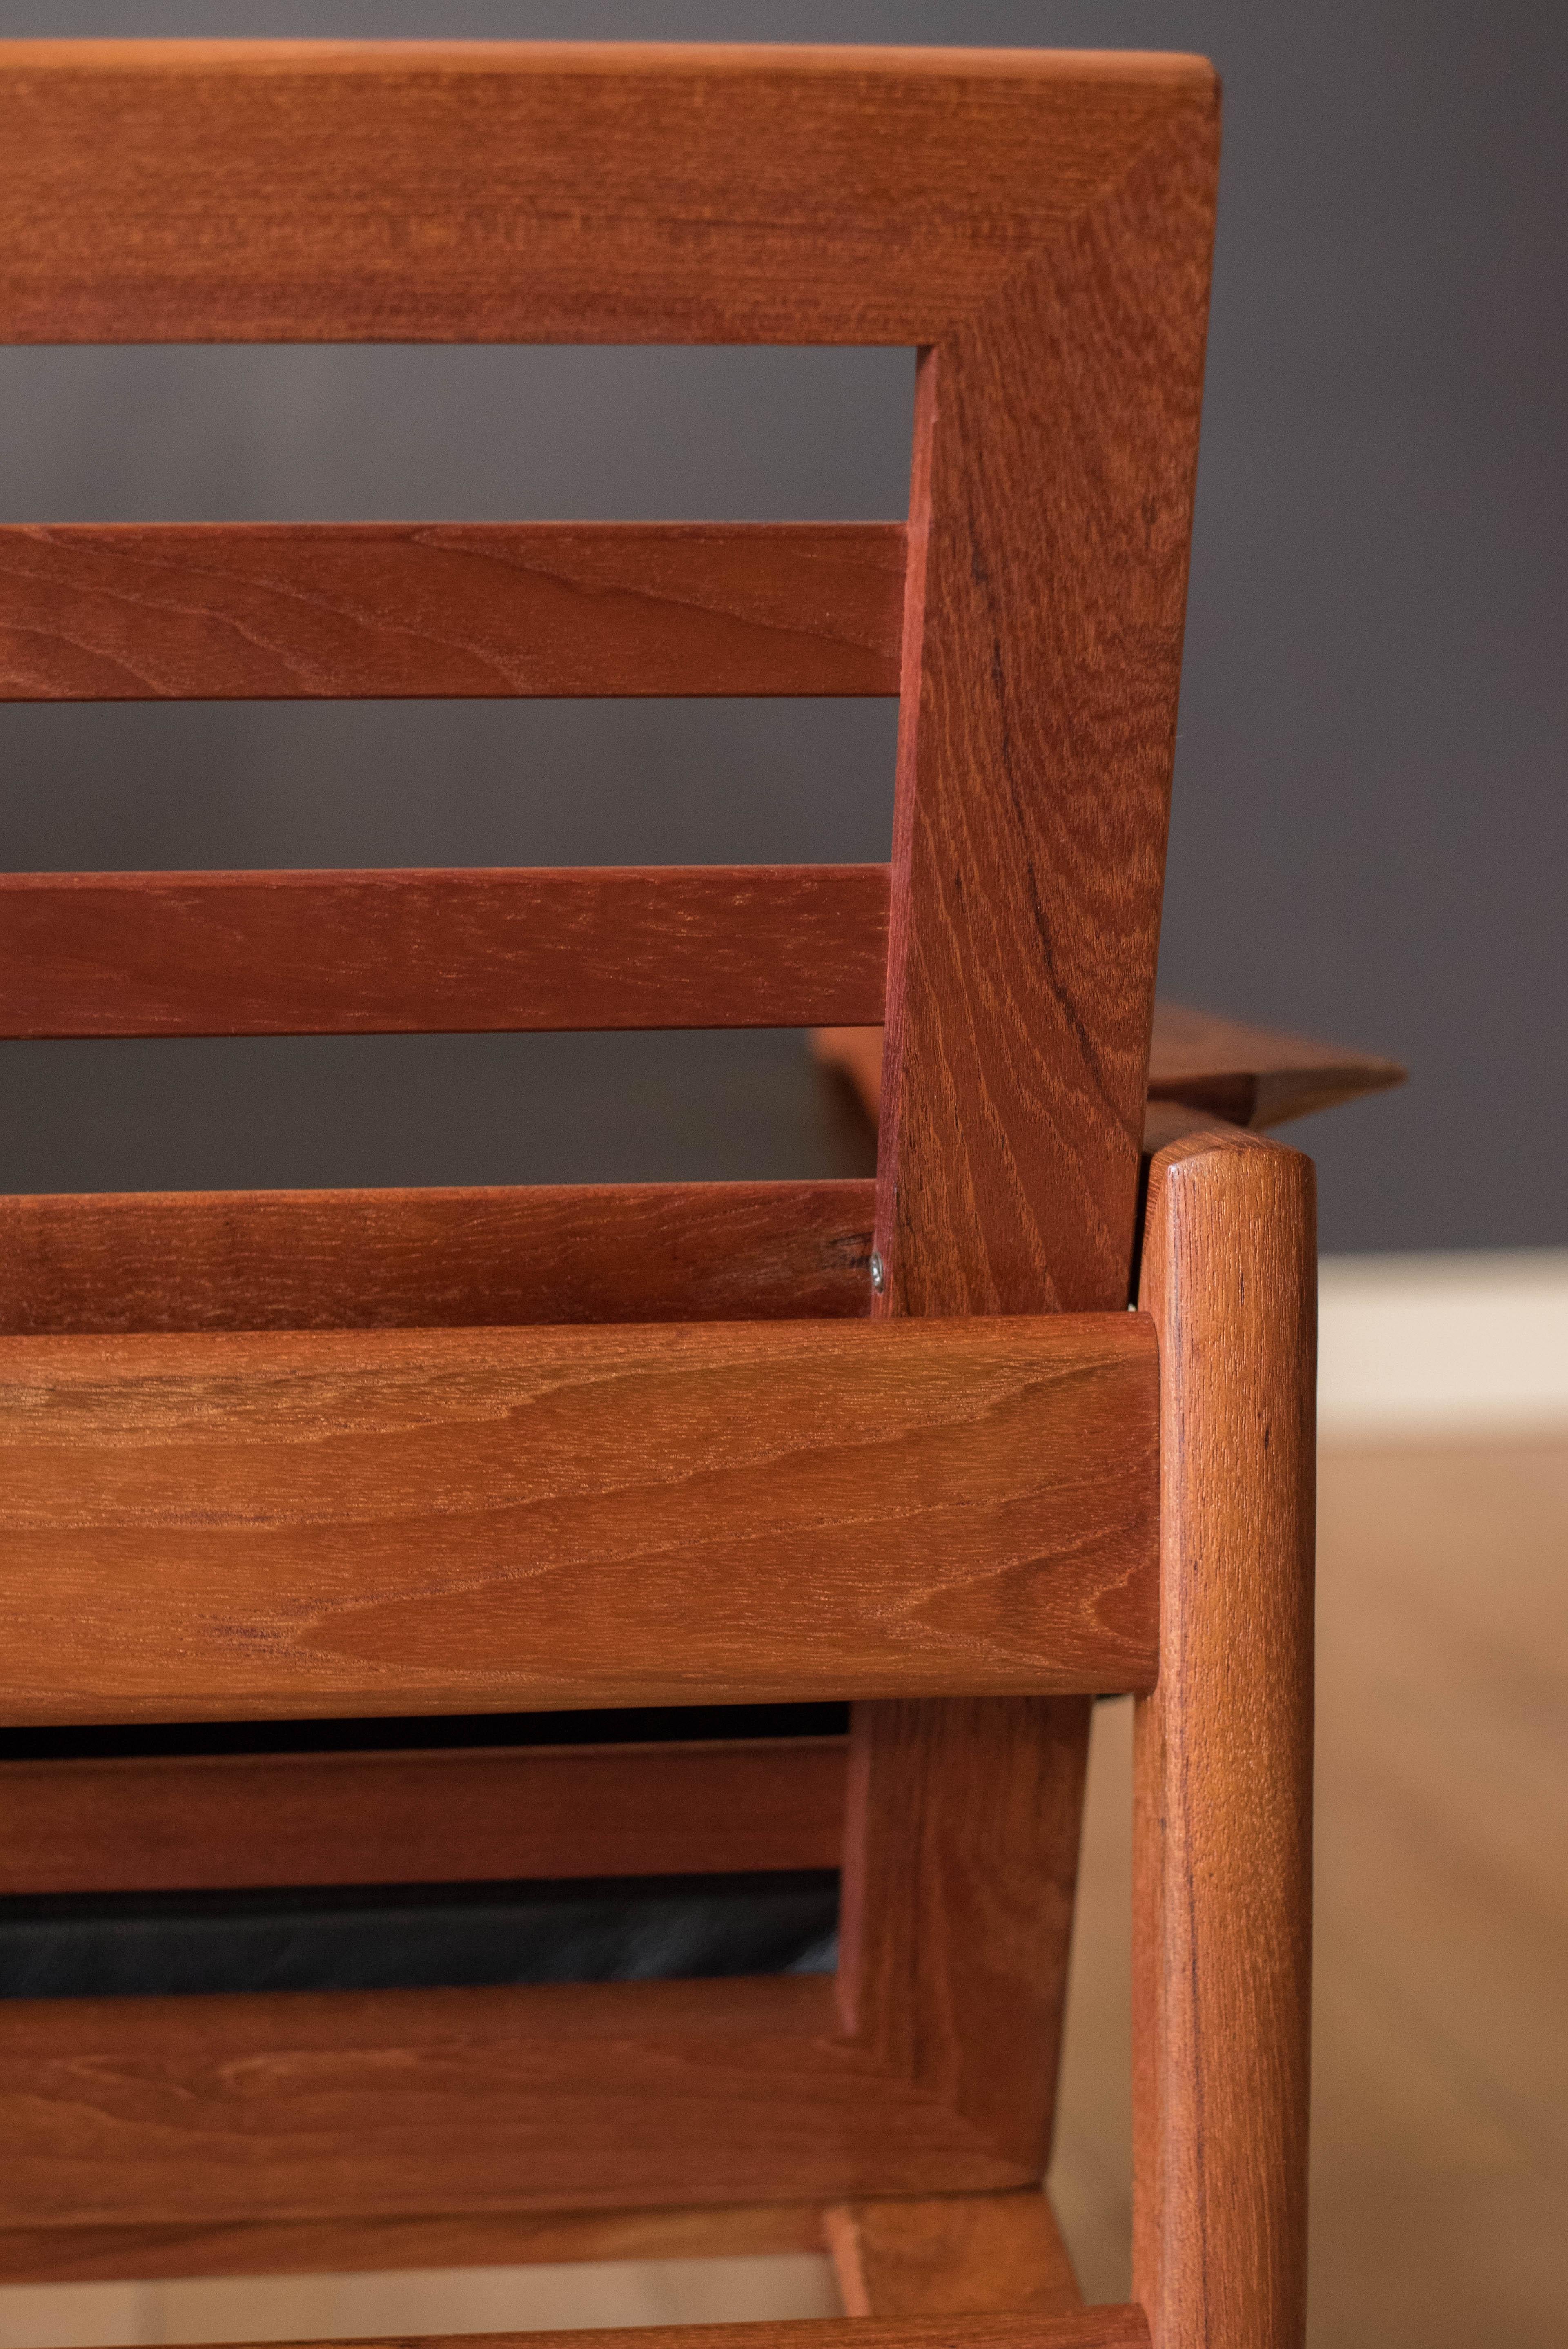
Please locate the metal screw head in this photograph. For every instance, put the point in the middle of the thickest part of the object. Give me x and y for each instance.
(879, 1276)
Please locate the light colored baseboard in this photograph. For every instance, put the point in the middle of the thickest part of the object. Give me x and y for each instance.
(1415, 1346)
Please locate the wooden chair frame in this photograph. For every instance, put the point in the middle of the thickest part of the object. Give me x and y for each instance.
(968, 1491)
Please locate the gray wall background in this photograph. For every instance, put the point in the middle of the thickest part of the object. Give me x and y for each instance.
(1369, 836)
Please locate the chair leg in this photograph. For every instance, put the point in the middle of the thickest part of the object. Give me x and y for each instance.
(1222, 1819)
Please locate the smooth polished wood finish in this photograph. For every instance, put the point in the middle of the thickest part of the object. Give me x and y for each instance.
(375, 952)
(448, 1815)
(959, 1868)
(1222, 1819)
(1087, 2328)
(462, 2240)
(1248, 1076)
(1254, 1076)
(397, 1522)
(1039, 227)
(389, 191)
(102, 1263)
(952, 2254)
(1056, 447)
(263, 611)
(320, 2106)
(485, 2238)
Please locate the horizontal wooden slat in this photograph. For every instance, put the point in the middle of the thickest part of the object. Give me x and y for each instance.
(315, 2107)
(143, 612)
(473, 1520)
(444, 1816)
(1123, 2328)
(270, 191)
(293, 954)
(457, 2239)
(97, 1263)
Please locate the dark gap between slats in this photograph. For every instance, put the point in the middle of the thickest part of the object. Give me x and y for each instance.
(417, 1938)
(634, 1726)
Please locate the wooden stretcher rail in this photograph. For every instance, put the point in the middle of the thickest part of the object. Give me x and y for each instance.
(175, 192)
(225, 611)
(443, 1815)
(424, 1521)
(379, 953)
(325, 2105)
(102, 1263)
(81, 2254)
(1085, 2328)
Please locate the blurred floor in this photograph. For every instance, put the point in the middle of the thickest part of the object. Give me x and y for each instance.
(1441, 2113)
(1440, 2060)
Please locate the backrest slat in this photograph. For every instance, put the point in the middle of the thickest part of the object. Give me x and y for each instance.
(379, 953)
(220, 611)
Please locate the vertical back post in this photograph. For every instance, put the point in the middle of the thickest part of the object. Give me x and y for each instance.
(1222, 1806)
(1055, 447)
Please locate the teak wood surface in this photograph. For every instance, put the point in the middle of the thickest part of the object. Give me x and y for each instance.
(954, 2254)
(263, 611)
(1086, 2328)
(1223, 1816)
(432, 1521)
(366, 1513)
(94, 1264)
(267, 954)
(446, 1814)
(1244, 1076)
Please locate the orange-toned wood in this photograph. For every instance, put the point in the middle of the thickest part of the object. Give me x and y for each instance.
(959, 1868)
(138, 611)
(267, 191)
(97, 1263)
(1247, 1076)
(443, 1815)
(952, 2255)
(469, 1520)
(484, 2239)
(1055, 450)
(1254, 1076)
(1087, 2328)
(1057, 441)
(307, 2106)
(269, 954)
(1223, 1888)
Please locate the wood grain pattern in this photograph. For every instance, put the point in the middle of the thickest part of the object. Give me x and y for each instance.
(1249, 1076)
(400, 1522)
(1057, 440)
(1222, 1819)
(1055, 448)
(960, 1861)
(98, 1262)
(484, 2239)
(336, 2246)
(175, 192)
(444, 1816)
(315, 2107)
(951, 2255)
(377, 953)
(268, 611)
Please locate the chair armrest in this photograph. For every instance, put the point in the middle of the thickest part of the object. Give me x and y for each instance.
(1239, 1075)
